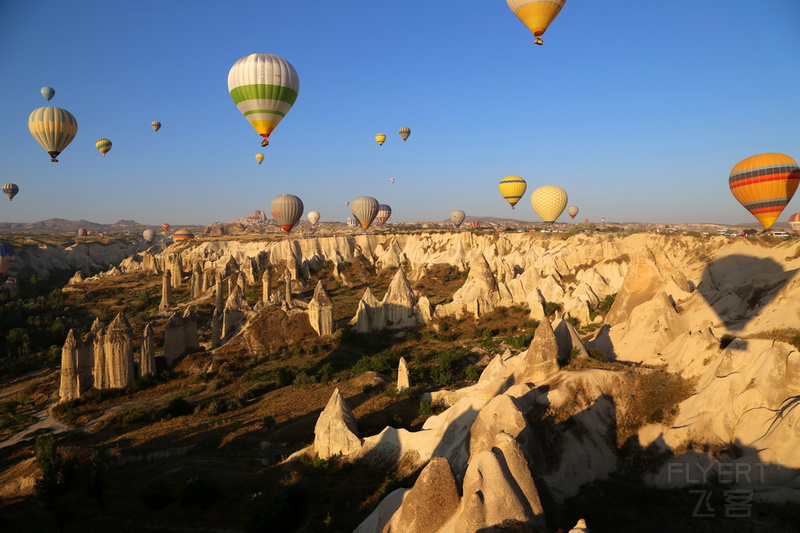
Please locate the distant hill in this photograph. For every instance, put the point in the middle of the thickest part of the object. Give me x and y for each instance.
(60, 225)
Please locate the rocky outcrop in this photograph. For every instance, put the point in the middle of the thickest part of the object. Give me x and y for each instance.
(147, 359)
(542, 358)
(117, 355)
(320, 311)
(336, 433)
(71, 355)
(403, 381)
(167, 301)
(397, 310)
(479, 294)
(498, 489)
(430, 504)
(180, 335)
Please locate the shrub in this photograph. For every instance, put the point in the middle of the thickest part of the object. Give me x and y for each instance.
(599, 355)
(472, 373)
(178, 406)
(303, 379)
(267, 421)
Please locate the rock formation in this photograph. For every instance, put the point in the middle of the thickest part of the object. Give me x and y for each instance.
(430, 504)
(403, 381)
(166, 292)
(542, 358)
(147, 359)
(117, 355)
(335, 432)
(320, 311)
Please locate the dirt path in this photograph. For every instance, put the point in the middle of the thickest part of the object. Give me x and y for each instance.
(46, 420)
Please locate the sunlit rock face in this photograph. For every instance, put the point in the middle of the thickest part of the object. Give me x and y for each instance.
(336, 433)
(320, 311)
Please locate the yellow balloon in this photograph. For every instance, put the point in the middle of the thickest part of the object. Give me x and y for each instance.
(259, 158)
(549, 202)
(53, 128)
(513, 188)
(536, 14)
(380, 138)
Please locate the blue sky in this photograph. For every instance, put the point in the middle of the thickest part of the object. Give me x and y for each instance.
(639, 110)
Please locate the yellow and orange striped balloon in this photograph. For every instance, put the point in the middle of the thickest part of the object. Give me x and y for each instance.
(536, 14)
(764, 184)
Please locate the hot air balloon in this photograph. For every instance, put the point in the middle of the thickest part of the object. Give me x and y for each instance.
(764, 184)
(404, 133)
(104, 145)
(53, 128)
(365, 209)
(572, 211)
(149, 235)
(10, 190)
(313, 217)
(380, 139)
(286, 209)
(264, 87)
(536, 14)
(48, 92)
(6, 257)
(457, 217)
(182, 235)
(384, 213)
(82, 232)
(156, 125)
(513, 188)
(391, 180)
(794, 222)
(347, 202)
(165, 226)
(549, 202)
(474, 224)
(259, 158)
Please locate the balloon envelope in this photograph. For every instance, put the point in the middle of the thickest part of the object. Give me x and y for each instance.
(380, 138)
(286, 209)
(10, 190)
(549, 202)
(259, 158)
(82, 232)
(53, 128)
(457, 217)
(365, 209)
(264, 87)
(6, 257)
(149, 235)
(182, 235)
(572, 211)
(536, 14)
(48, 93)
(794, 222)
(513, 188)
(384, 213)
(156, 125)
(313, 217)
(764, 184)
(103, 145)
(404, 133)
(165, 226)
